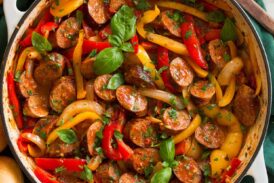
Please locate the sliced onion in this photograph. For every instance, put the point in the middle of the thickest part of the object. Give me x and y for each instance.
(230, 69)
(163, 96)
(78, 107)
(95, 162)
(40, 146)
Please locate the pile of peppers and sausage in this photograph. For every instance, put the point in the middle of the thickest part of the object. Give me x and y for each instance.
(134, 91)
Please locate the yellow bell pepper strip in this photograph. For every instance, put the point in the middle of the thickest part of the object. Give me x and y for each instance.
(197, 69)
(229, 93)
(78, 107)
(168, 43)
(150, 16)
(189, 131)
(21, 62)
(73, 122)
(219, 162)
(232, 48)
(148, 64)
(154, 120)
(62, 8)
(77, 56)
(232, 144)
(211, 110)
(183, 8)
(218, 89)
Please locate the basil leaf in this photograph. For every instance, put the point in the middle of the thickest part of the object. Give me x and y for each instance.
(86, 174)
(115, 40)
(215, 16)
(67, 135)
(115, 81)
(108, 61)
(167, 150)
(228, 32)
(40, 43)
(162, 176)
(127, 47)
(123, 23)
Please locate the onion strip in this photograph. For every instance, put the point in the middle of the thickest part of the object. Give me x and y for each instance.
(40, 146)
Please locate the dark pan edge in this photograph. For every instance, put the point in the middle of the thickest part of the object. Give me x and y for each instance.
(265, 58)
(3, 67)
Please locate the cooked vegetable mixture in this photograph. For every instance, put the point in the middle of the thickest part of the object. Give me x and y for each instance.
(134, 91)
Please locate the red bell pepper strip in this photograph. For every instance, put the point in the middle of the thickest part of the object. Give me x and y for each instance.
(234, 165)
(123, 151)
(70, 164)
(27, 40)
(14, 101)
(44, 176)
(180, 148)
(49, 26)
(213, 34)
(135, 43)
(88, 46)
(193, 45)
(163, 61)
(105, 32)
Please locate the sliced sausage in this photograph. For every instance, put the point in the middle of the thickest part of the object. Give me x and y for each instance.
(45, 125)
(131, 99)
(36, 106)
(62, 93)
(27, 86)
(202, 90)
(188, 171)
(67, 33)
(68, 177)
(135, 75)
(100, 89)
(49, 70)
(143, 158)
(87, 68)
(181, 73)
(114, 5)
(218, 51)
(130, 178)
(60, 149)
(176, 120)
(91, 136)
(246, 105)
(108, 172)
(141, 132)
(98, 11)
(171, 25)
(210, 135)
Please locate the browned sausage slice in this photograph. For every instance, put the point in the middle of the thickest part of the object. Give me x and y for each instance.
(246, 105)
(176, 120)
(143, 158)
(49, 70)
(135, 75)
(131, 99)
(36, 106)
(60, 149)
(218, 51)
(172, 26)
(141, 132)
(108, 172)
(87, 68)
(91, 135)
(27, 86)
(44, 126)
(181, 73)
(130, 178)
(114, 5)
(67, 33)
(98, 11)
(188, 171)
(210, 135)
(202, 90)
(62, 94)
(100, 89)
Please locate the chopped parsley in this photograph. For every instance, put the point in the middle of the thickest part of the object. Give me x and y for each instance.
(227, 57)
(172, 114)
(188, 34)
(118, 135)
(162, 69)
(86, 174)
(141, 4)
(59, 169)
(92, 53)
